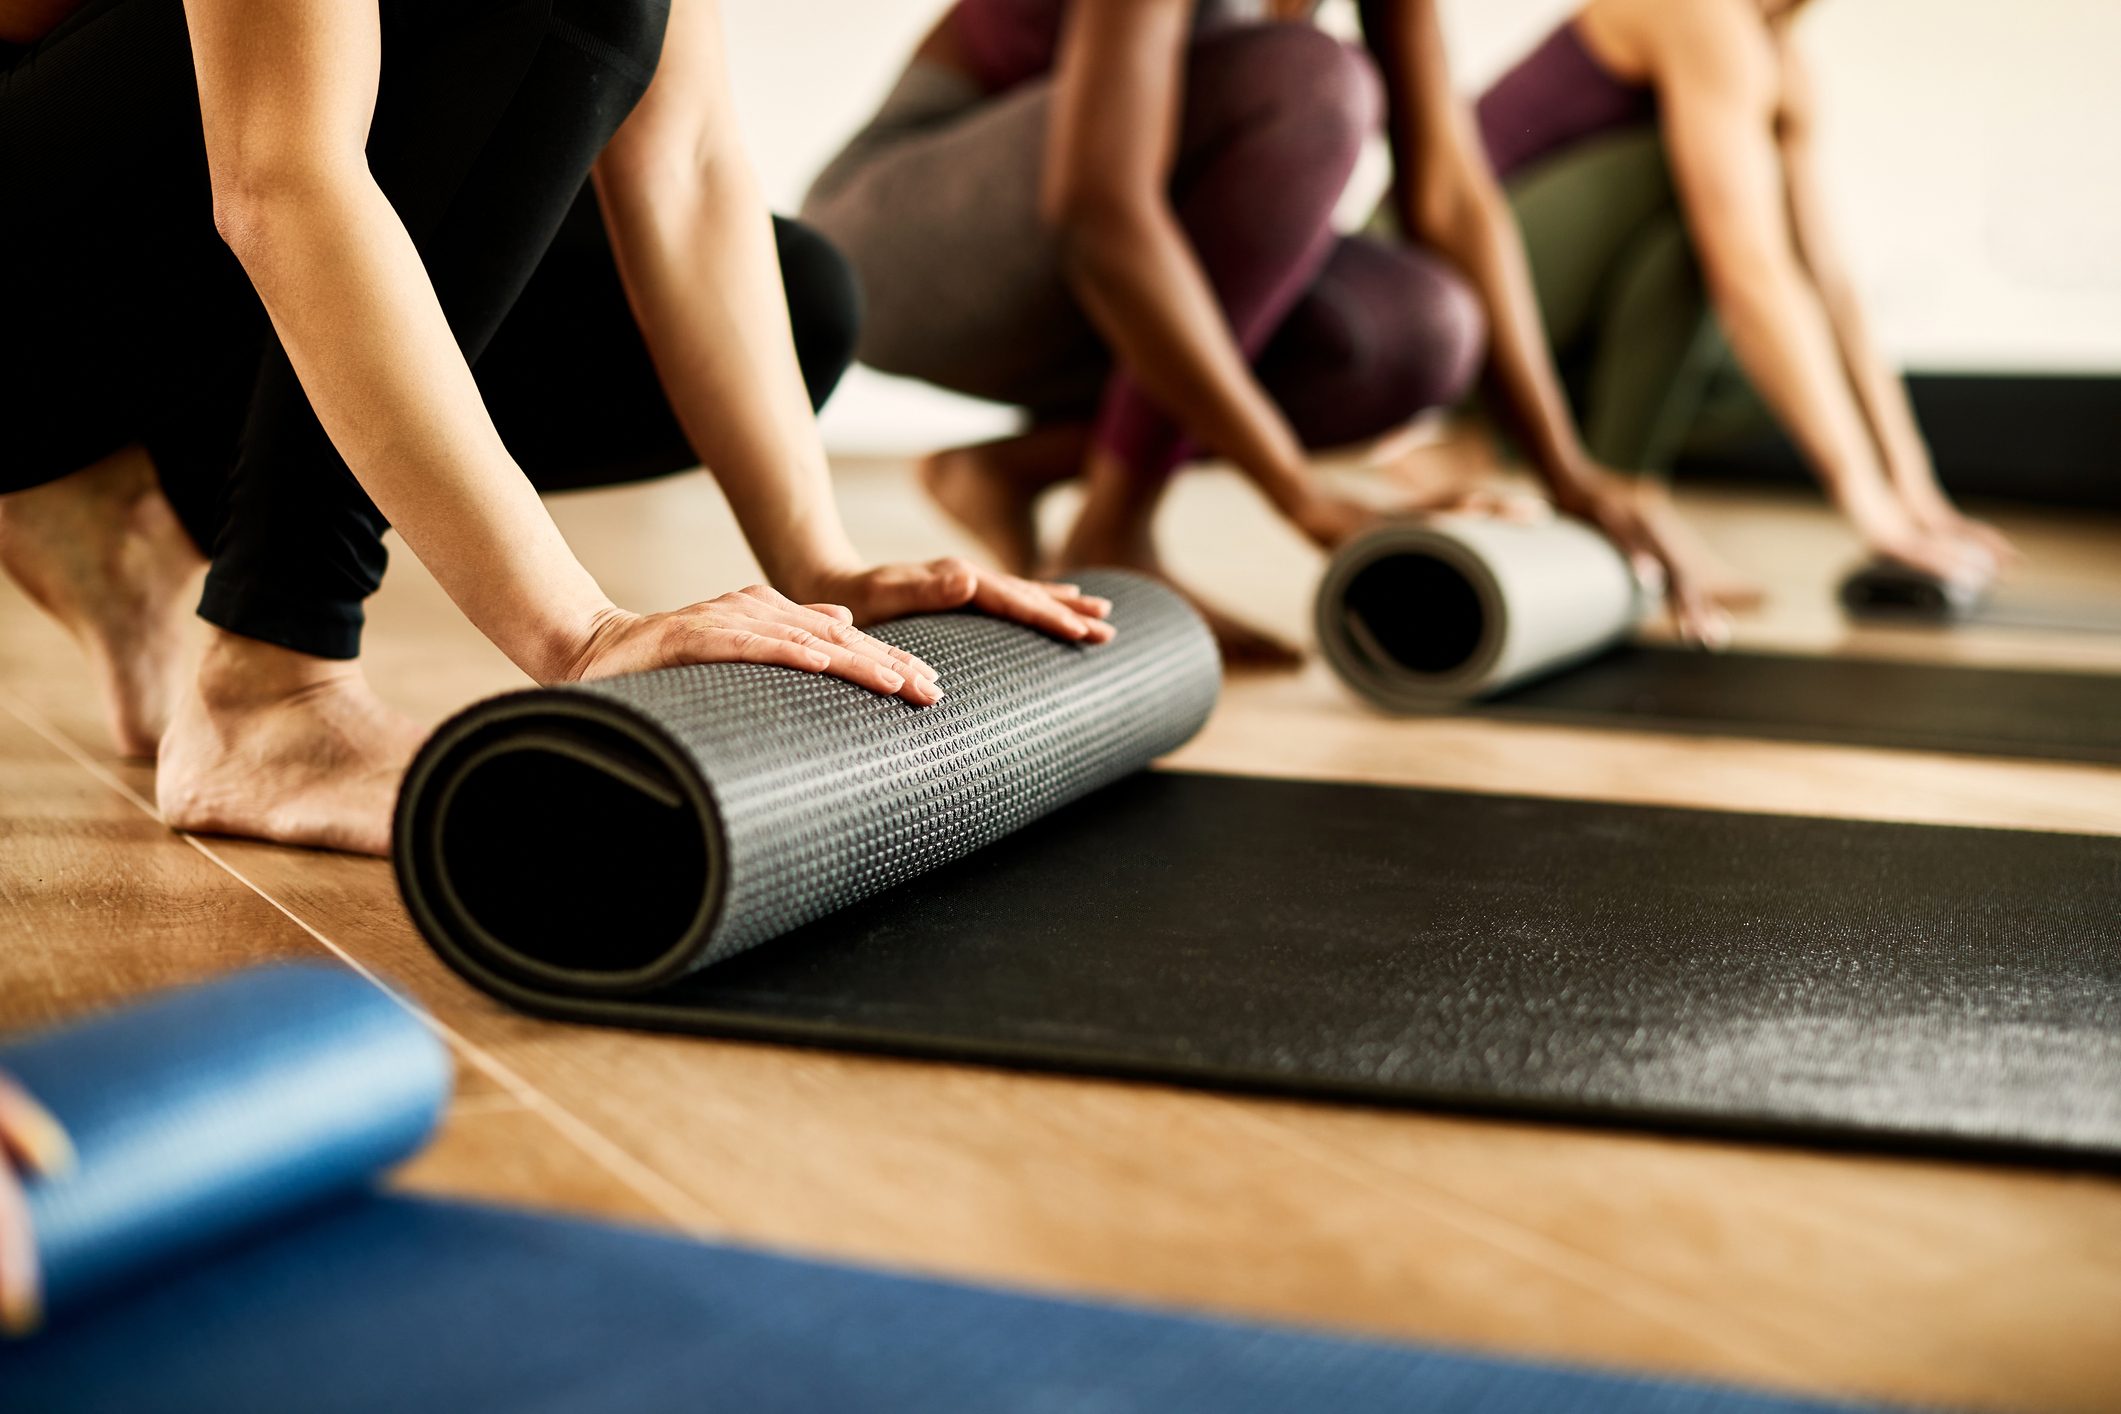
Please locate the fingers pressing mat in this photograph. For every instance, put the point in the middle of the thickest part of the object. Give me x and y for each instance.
(1902, 987)
(1528, 622)
(272, 1103)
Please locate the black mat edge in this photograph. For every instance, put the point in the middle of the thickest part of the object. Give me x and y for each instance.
(1504, 711)
(643, 1013)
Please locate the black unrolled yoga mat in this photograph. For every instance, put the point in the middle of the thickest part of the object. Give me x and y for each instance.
(1893, 986)
(2055, 716)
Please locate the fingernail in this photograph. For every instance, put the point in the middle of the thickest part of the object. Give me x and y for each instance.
(892, 681)
(819, 661)
(1100, 607)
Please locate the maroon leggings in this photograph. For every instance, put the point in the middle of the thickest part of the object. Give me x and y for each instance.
(936, 204)
(1351, 336)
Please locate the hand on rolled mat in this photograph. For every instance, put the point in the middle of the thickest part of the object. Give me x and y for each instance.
(883, 592)
(743, 803)
(1640, 520)
(31, 1139)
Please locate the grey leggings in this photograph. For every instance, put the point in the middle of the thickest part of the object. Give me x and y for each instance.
(1648, 369)
(936, 206)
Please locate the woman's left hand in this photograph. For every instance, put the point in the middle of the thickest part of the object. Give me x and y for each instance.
(1637, 517)
(31, 1141)
(884, 592)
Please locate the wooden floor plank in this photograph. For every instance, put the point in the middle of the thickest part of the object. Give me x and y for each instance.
(1841, 1273)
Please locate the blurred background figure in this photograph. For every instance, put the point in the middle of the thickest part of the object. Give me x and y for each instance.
(1118, 215)
(1662, 159)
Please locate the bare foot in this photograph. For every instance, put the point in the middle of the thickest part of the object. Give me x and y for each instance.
(992, 489)
(999, 513)
(1242, 645)
(102, 552)
(280, 746)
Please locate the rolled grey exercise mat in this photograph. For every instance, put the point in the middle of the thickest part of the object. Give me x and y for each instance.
(604, 838)
(1425, 614)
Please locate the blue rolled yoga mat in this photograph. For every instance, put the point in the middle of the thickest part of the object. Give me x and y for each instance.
(221, 1248)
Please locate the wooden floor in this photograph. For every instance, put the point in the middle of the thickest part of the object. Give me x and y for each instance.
(1845, 1274)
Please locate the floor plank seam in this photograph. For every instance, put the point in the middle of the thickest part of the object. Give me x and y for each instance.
(679, 1207)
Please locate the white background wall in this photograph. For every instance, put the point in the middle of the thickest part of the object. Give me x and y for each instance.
(1974, 152)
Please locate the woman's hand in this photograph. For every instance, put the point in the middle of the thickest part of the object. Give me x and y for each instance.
(891, 591)
(1640, 519)
(1934, 513)
(755, 625)
(31, 1141)
(1927, 534)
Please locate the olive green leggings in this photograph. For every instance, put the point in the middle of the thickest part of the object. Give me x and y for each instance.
(1647, 367)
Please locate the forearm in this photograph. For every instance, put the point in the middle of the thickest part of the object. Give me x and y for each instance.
(384, 374)
(695, 251)
(1780, 331)
(1138, 279)
(1880, 391)
(1476, 232)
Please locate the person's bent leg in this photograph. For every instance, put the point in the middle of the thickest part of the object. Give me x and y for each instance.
(936, 205)
(488, 116)
(1653, 352)
(1275, 119)
(1384, 334)
(568, 380)
(125, 365)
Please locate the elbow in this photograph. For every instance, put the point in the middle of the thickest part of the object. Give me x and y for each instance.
(1452, 215)
(1093, 223)
(253, 195)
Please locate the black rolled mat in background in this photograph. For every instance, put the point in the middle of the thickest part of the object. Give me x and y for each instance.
(2058, 716)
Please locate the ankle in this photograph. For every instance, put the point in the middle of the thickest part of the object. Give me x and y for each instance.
(236, 673)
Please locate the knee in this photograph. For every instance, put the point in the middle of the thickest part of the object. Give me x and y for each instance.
(1423, 332)
(1309, 78)
(1450, 343)
(824, 305)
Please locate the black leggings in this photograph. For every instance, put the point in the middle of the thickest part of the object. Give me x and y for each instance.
(132, 324)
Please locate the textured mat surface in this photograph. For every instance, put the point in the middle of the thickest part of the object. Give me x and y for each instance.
(1849, 701)
(236, 1098)
(1895, 986)
(213, 1112)
(739, 801)
(395, 1304)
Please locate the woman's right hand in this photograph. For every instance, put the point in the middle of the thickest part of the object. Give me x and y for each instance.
(755, 625)
(31, 1141)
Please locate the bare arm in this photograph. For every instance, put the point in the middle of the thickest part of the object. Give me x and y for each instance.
(694, 244)
(1116, 111)
(286, 92)
(287, 89)
(1718, 83)
(1448, 199)
(1878, 387)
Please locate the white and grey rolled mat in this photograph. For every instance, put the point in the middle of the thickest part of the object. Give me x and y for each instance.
(1428, 614)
